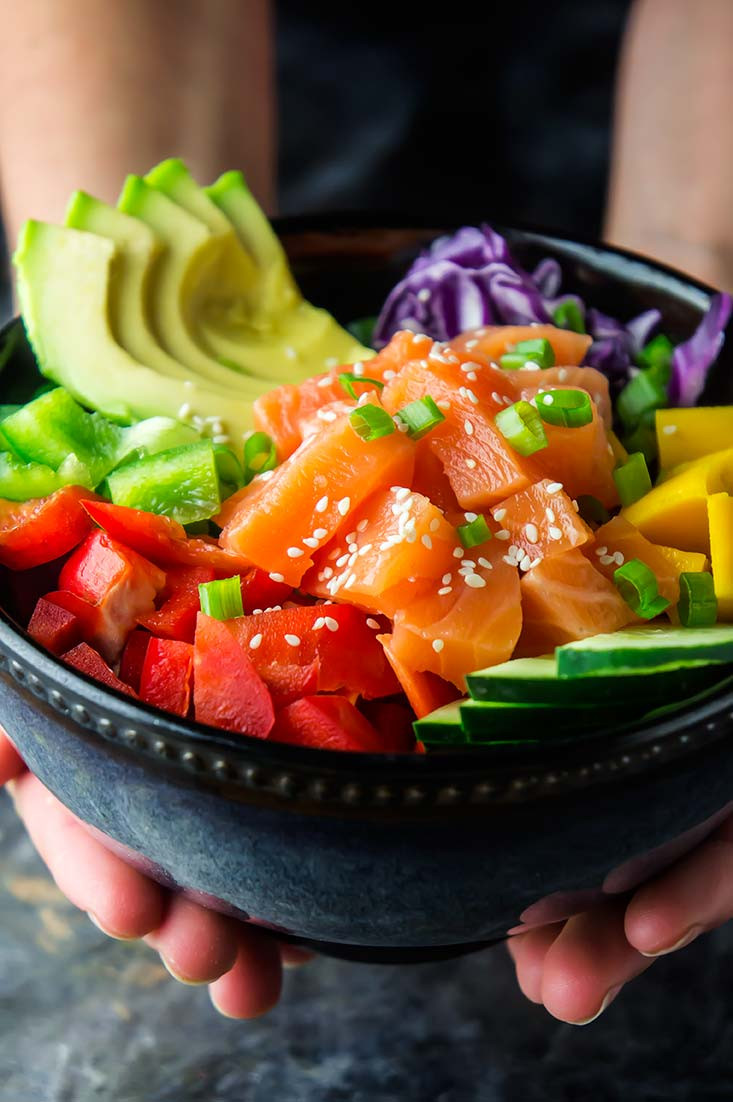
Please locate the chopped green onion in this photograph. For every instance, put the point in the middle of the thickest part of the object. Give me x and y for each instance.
(420, 417)
(591, 510)
(568, 315)
(643, 438)
(347, 380)
(642, 393)
(698, 605)
(259, 455)
(222, 599)
(520, 424)
(363, 330)
(657, 353)
(637, 584)
(632, 479)
(371, 422)
(569, 408)
(229, 470)
(474, 533)
(538, 351)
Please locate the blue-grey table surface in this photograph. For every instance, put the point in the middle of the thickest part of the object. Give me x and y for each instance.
(85, 1019)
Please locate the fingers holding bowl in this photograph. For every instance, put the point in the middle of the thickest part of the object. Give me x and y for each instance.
(11, 763)
(253, 985)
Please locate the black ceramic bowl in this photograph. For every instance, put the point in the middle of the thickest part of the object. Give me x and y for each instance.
(367, 856)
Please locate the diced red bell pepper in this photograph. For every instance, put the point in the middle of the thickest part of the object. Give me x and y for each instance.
(176, 617)
(166, 675)
(336, 637)
(393, 719)
(89, 661)
(260, 591)
(424, 690)
(133, 657)
(163, 540)
(119, 586)
(227, 690)
(38, 531)
(54, 627)
(20, 589)
(330, 723)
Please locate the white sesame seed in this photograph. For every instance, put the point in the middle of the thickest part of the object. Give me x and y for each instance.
(184, 411)
(319, 533)
(550, 514)
(458, 553)
(470, 517)
(509, 560)
(326, 415)
(322, 505)
(438, 645)
(471, 463)
(426, 541)
(411, 536)
(342, 561)
(530, 531)
(468, 562)
(365, 549)
(318, 623)
(562, 374)
(423, 294)
(468, 427)
(499, 515)
(221, 438)
(475, 581)
(502, 534)
(618, 558)
(325, 381)
(362, 525)
(554, 533)
(292, 640)
(350, 537)
(343, 505)
(331, 624)
(275, 577)
(575, 505)
(507, 400)
(497, 397)
(444, 590)
(601, 551)
(434, 524)
(526, 563)
(485, 563)
(373, 624)
(606, 560)
(553, 487)
(310, 541)
(389, 374)
(255, 641)
(473, 377)
(669, 430)
(446, 579)
(442, 403)
(547, 400)
(327, 572)
(471, 344)
(198, 422)
(295, 552)
(530, 366)
(401, 493)
(357, 368)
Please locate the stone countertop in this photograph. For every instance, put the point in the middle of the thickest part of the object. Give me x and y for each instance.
(85, 1019)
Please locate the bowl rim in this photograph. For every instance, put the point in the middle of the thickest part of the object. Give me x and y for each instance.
(348, 781)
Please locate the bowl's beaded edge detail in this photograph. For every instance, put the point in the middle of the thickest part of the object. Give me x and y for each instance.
(290, 786)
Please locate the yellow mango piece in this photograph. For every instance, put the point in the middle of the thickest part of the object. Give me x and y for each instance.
(675, 513)
(686, 562)
(685, 434)
(720, 514)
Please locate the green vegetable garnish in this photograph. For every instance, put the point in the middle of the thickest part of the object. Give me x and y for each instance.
(474, 533)
(371, 422)
(698, 605)
(568, 315)
(347, 380)
(657, 353)
(420, 417)
(222, 599)
(522, 426)
(632, 479)
(569, 408)
(637, 584)
(259, 455)
(538, 351)
(591, 510)
(642, 393)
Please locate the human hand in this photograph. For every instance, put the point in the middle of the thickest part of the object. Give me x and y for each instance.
(577, 967)
(242, 966)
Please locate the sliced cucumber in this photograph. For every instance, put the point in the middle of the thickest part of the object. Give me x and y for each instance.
(536, 681)
(645, 648)
(441, 727)
(484, 722)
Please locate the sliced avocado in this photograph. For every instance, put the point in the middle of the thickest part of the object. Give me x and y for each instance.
(64, 291)
(137, 248)
(174, 180)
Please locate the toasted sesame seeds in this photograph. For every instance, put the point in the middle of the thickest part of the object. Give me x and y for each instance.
(554, 533)
(319, 533)
(318, 623)
(485, 563)
(475, 581)
(373, 624)
(554, 487)
(502, 534)
(470, 517)
(499, 515)
(550, 514)
(292, 640)
(458, 553)
(669, 430)
(438, 645)
(606, 560)
(468, 427)
(343, 505)
(618, 558)
(468, 562)
(530, 531)
(295, 552)
(365, 549)
(331, 624)
(471, 464)
(255, 641)
(342, 560)
(444, 590)
(525, 563)
(401, 493)
(310, 541)
(350, 537)
(321, 505)
(275, 577)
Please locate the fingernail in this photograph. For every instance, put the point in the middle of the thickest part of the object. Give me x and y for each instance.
(610, 996)
(180, 979)
(110, 933)
(687, 937)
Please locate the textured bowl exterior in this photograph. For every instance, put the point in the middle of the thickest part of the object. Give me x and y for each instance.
(369, 856)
